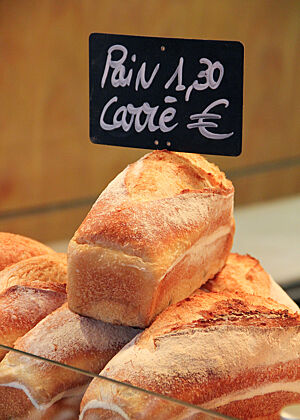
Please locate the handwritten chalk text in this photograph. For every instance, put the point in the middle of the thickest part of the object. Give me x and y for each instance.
(119, 72)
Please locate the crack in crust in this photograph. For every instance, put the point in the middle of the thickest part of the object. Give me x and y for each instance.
(204, 309)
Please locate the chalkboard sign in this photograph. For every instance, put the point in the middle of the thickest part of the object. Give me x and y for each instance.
(166, 93)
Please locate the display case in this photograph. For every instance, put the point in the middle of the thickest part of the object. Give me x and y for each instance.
(51, 175)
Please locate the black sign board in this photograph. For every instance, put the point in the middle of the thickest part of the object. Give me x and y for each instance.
(166, 93)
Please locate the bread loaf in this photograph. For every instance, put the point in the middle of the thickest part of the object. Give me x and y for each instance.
(42, 272)
(14, 248)
(243, 273)
(67, 338)
(30, 289)
(236, 354)
(159, 231)
(21, 308)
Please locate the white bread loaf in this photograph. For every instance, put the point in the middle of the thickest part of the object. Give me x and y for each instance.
(159, 231)
(234, 353)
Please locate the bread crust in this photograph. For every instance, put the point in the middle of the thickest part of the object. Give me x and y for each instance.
(65, 409)
(243, 273)
(166, 216)
(67, 338)
(29, 290)
(221, 351)
(14, 248)
(43, 271)
(21, 308)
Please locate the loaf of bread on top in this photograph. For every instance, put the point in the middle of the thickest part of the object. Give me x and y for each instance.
(159, 231)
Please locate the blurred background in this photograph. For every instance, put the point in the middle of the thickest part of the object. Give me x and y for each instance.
(50, 173)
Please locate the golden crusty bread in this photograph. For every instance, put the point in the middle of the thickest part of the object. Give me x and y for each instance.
(14, 248)
(159, 231)
(29, 290)
(44, 271)
(67, 338)
(229, 352)
(21, 308)
(243, 273)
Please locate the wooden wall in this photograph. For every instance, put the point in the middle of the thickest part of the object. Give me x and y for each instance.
(50, 173)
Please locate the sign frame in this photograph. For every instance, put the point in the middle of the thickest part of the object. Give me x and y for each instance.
(166, 93)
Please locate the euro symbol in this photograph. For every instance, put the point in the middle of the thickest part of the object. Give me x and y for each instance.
(201, 124)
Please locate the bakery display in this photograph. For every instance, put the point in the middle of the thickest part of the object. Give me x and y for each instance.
(67, 338)
(153, 252)
(237, 354)
(243, 273)
(160, 230)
